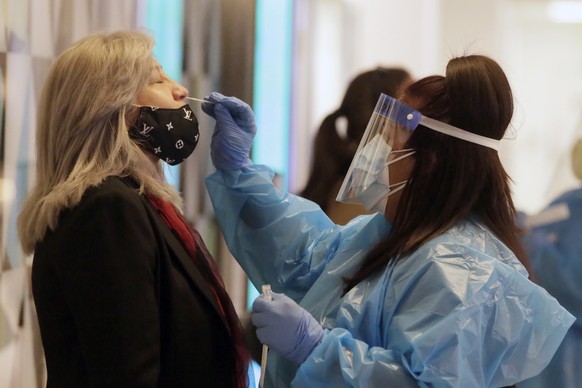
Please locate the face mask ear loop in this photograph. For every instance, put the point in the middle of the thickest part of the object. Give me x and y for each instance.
(402, 186)
(401, 157)
(145, 106)
(402, 150)
(157, 107)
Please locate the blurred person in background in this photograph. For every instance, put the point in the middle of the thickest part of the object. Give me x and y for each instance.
(334, 148)
(554, 247)
(125, 290)
(429, 290)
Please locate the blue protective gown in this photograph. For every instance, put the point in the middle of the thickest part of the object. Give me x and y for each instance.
(457, 312)
(556, 261)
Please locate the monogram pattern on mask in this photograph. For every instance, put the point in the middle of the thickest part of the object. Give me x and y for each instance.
(145, 131)
(172, 133)
(188, 113)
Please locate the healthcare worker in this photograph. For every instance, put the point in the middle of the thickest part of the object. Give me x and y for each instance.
(555, 253)
(428, 291)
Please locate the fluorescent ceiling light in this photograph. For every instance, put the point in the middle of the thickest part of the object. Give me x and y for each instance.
(565, 11)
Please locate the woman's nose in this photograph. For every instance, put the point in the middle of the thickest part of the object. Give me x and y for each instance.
(179, 92)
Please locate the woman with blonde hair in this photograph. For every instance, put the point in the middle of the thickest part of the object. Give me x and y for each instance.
(125, 291)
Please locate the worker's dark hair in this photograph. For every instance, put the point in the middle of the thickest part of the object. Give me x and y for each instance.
(453, 179)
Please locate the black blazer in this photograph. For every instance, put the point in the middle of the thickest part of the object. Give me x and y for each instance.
(120, 303)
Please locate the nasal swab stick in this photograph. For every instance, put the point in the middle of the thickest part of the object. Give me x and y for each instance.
(198, 99)
(266, 288)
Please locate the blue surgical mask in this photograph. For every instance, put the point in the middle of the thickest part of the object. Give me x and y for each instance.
(371, 181)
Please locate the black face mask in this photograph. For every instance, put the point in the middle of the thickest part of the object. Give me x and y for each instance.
(170, 134)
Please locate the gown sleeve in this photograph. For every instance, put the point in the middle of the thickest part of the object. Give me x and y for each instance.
(278, 238)
(451, 318)
(341, 360)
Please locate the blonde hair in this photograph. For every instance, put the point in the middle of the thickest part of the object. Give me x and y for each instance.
(82, 131)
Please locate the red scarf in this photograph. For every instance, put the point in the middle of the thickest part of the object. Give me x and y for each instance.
(204, 262)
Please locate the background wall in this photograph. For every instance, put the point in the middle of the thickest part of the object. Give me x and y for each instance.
(535, 41)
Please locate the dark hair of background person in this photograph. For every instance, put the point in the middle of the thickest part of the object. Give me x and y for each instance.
(333, 153)
(453, 179)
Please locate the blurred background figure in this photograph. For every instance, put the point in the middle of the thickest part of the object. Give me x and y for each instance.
(339, 135)
(554, 244)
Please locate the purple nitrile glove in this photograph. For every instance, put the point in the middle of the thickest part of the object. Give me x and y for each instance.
(286, 327)
(233, 133)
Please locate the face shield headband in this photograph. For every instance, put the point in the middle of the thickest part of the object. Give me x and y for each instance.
(390, 126)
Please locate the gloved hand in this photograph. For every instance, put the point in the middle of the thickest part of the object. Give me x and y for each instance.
(286, 327)
(233, 133)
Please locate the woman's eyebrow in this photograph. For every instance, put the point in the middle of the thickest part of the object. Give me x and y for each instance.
(160, 71)
(156, 72)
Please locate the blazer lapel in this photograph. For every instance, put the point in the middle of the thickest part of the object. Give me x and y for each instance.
(185, 261)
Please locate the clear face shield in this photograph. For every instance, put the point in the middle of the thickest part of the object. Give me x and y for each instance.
(391, 124)
(367, 181)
